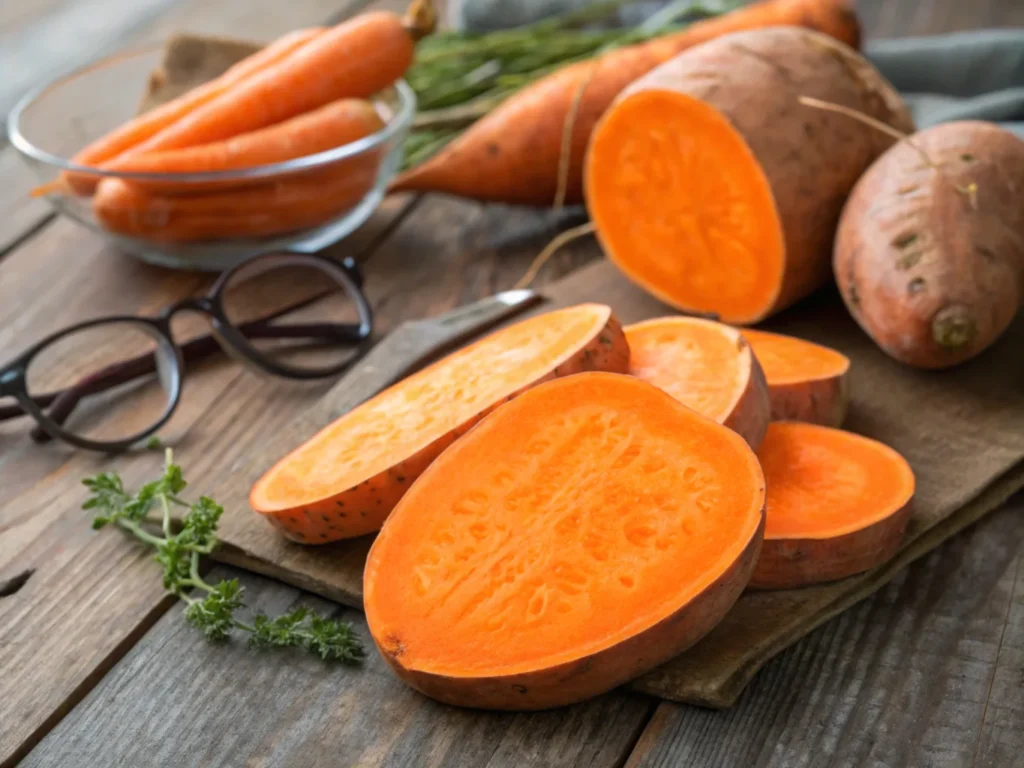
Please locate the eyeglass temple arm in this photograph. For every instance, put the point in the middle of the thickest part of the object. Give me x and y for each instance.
(63, 402)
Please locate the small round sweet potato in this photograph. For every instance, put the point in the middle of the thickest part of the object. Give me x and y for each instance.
(929, 254)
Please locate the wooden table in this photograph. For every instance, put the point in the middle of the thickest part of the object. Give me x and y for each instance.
(98, 668)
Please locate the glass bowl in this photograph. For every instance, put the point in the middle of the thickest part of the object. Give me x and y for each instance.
(205, 221)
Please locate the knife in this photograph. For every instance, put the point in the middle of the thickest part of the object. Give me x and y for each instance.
(412, 344)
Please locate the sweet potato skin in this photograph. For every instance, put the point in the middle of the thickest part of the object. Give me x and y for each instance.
(816, 401)
(753, 410)
(791, 563)
(811, 158)
(929, 254)
(361, 510)
(598, 672)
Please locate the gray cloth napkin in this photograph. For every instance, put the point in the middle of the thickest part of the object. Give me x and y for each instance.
(960, 76)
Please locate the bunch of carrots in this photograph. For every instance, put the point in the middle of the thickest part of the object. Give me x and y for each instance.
(303, 94)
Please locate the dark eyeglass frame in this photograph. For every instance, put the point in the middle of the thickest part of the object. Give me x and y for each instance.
(233, 339)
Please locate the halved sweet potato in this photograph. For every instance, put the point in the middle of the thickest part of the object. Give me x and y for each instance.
(838, 504)
(806, 381)
(580, 535)
(705, 365)
(345, 480)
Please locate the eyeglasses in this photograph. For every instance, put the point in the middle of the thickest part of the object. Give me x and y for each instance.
(108, 383)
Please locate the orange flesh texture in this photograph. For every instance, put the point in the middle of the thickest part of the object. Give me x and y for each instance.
(412, 414)
(824, 483)
(571, 519)
(683, 208)
(788, 360)
(699, 362)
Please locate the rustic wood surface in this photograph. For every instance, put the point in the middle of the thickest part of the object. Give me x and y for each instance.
(95, 670)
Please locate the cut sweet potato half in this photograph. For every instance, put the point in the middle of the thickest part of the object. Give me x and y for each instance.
(705, 365)
(715, 189)
(806, 381)
(345, 480)
(580, 535)
(838, 504)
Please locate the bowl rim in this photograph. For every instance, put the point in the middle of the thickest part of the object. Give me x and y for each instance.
(398, 122)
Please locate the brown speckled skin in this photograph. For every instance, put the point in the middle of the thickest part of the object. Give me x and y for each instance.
(917, 251)
(811, 157)
(789, 563)
(361, 510)
(599, 672)
(752, 413)
(816, 401)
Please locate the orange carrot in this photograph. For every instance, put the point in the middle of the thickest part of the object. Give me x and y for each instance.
(705, 365)
(345, 480)
(512, 155)
(838, 504)
(584, 533)
(145, 126)
(274, 208)
(333, 125)
(355, 59)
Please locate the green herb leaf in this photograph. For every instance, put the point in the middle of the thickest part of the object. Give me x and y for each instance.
(215, 615)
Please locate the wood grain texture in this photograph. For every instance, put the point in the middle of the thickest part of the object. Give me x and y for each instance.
(906, 678)
(177, 700)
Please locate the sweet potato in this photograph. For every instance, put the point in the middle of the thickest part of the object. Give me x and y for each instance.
(513, 154)
(838, 504)
(705, 365)
(929, 255)
(580, 535)
(712, 187)
(345, 480)
(806, 382)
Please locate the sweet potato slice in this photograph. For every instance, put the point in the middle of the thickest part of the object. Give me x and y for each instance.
(705, 365)
(345, 480)
(838, 504)
(579, 536)
(806, 381)
(715, 189)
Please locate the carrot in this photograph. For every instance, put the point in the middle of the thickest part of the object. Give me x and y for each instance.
(714, 188)
(333, 125)
(806, 382)
(354, 59)
(276, 208)
(838, 504)
(581, 535)
(928, 254)
(705, 365)
(134, 132)
(345, 480)
(512, 155)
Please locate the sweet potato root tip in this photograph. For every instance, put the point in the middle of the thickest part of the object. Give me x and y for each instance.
(806, 381)
(583, 533)
(513, 155)
(838, 504)
(928, 255)
(713, 188)
(705, 365)
(347, 478)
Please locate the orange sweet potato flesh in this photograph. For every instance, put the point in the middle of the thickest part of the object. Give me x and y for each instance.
(838, 504)
(512, 155)
(715, 189)
(580, 535)
(929, 256)
(346, 479)
(806, 381)
(705, 365)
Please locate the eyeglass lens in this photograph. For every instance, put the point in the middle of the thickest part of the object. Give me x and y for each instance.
(112, 381)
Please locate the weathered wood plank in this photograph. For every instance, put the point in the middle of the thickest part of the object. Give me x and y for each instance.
(176, 700)
(903, 679)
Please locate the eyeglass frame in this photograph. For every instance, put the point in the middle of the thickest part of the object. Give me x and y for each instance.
(228, 336)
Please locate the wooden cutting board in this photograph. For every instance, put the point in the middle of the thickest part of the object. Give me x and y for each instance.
(962, 431)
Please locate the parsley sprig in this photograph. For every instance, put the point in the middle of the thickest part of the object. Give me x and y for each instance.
(147, 515)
